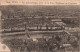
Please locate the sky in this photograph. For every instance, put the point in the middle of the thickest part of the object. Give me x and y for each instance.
(40, 2)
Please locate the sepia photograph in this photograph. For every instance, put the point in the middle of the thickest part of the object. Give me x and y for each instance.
(39, 28)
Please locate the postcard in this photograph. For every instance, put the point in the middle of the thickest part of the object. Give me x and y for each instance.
(39, 25)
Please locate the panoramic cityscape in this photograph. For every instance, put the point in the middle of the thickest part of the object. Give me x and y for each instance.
(40, 28)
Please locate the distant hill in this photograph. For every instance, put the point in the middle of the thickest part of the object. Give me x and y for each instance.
(24, 11)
